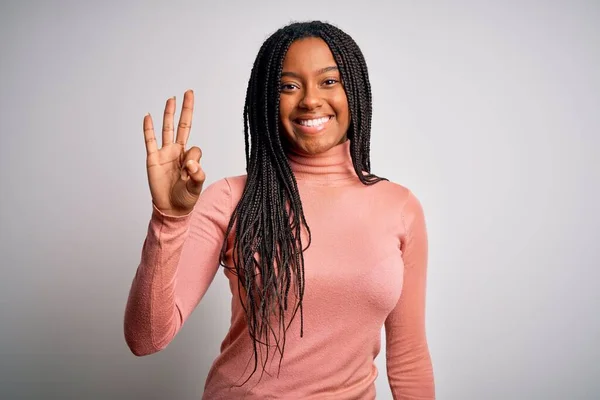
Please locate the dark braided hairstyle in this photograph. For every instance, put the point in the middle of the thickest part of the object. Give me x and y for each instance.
(268, 220)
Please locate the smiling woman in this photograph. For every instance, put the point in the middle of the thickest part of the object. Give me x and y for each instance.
(320, 253)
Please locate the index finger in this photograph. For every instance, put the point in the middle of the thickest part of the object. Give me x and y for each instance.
(185, 120)
(149, 137)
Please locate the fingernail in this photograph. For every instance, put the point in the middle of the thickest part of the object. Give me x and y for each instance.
(193, 167)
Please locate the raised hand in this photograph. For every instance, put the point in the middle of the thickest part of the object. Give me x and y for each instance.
(174, 173)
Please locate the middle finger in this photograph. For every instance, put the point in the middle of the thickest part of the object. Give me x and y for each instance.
(168, 121)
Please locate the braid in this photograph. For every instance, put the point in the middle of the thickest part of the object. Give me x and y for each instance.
(268, 221)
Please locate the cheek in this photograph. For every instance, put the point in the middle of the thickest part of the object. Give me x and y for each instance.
(285, 111)
(341, 108)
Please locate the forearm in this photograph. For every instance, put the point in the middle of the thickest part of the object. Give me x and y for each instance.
(152, 317)
(411, 377)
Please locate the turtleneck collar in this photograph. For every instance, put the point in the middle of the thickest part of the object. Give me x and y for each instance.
(334, 164)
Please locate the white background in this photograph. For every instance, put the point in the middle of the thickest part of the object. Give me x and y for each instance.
(487, 110)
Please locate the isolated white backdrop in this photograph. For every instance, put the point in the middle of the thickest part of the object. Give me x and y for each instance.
(487, 110)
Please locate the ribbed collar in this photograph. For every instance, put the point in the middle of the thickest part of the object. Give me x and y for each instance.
(333, 165)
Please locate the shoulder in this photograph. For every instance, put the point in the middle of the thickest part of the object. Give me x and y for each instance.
(402, 200)
(236, 185)
(228, 189)
(225, 186)
(218, 199)
(237, 182)
(399, 194)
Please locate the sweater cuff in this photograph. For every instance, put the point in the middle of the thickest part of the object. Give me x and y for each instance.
(170, 221)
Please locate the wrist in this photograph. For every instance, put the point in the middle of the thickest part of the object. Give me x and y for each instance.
(173, 212)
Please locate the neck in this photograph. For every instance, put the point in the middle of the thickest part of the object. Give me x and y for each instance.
(334, 164)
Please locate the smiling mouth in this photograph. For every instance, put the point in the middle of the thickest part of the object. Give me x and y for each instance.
(313, 124)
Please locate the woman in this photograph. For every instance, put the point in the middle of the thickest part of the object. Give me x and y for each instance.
(319, 252)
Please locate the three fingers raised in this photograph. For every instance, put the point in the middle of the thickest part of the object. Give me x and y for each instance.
(183, 127)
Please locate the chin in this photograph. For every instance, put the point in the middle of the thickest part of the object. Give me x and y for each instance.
(315, 145)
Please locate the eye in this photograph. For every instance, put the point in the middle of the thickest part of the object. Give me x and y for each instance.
(288, 87)
(330, 82)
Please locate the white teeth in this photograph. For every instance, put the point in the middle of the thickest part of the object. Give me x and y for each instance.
(313, 122)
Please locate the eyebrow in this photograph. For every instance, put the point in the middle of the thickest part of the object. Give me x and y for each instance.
(318, 72)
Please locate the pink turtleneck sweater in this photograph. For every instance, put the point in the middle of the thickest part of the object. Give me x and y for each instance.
(365, 269)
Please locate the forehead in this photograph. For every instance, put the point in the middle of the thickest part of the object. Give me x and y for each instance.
(308, 55)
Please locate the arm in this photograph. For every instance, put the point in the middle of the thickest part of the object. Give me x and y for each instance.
(409, 368)
(179, 260)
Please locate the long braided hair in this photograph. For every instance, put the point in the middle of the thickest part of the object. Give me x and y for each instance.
(268, 220)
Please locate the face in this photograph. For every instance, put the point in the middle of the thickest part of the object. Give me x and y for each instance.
(313, 104)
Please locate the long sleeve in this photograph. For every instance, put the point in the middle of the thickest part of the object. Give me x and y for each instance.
(179, 260)
(409, 367)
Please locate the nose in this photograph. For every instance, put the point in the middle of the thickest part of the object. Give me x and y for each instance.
(311, 99)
